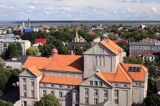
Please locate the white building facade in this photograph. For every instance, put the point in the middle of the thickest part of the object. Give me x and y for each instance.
(98, 77)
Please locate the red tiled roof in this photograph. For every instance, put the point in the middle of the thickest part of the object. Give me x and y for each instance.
(111, 46)
(117, 41)
(135, 76)
(35, 71)
(61, 80)
(123, 75)
(67, 63)
(40, 40)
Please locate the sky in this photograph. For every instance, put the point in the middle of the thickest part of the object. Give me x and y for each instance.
(11, 10)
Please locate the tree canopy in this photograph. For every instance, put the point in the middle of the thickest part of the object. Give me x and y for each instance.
(13, 50)
(33, 51)
(49, 100)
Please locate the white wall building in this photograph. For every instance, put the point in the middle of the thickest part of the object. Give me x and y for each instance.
(97, 78)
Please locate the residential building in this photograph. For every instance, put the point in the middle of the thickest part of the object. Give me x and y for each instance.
(145, 48)
(40, 41)
(5, 40)
(97, 78)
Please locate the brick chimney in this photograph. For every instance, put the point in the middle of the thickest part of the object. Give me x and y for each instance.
(54, 52)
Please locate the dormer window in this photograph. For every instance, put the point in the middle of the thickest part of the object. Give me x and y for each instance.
(134, 69)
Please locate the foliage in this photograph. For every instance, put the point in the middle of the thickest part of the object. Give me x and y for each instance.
(33, 51)
(31, 36)
(49, 100)
(4, 103)
(78, 50)
(152, 87)
(125, 46)
(153, 100)
(3, 80)
(46, 49)
(7, 76)
(13, 50)
(112, 36)
(133, 60)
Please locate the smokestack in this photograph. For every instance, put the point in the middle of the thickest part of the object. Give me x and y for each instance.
(54, 52)
(29, 24)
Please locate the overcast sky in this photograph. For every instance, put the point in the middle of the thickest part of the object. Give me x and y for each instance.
(80, 9)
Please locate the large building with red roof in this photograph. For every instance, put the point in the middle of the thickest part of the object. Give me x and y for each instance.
(97, 78)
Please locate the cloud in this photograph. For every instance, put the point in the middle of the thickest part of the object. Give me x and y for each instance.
(80, 9)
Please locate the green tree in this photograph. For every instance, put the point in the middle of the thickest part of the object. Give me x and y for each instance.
(33, 51)
(49, 100)
(46, 49)
(125, 46)
(13, 50)
(3, 80)
(4, 103)
(112, 36)
(153, 100)
(78, 50)
(133, 60)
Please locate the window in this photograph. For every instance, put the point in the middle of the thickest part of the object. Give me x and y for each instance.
(69, 86)
(32, 93)
(86, 91)
(101, 83)
(52, 92)
(44, 92)
(116, 101)
(24, 103)
(105, 93)
(60, 86)
(24, 87)
(96, 83)
(25, 94)
(24, 80)
(32, 83)
(134, 69)
(105, 100)
(86, 100)
(116, 93)
(60, 94)
(52, 85)
(125, 85)
(91, 83)
(95, 100)
(95, 92)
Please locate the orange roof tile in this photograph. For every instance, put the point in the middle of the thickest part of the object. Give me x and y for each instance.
(39, 62)
(68, 63)
(100, 75)
(113, 47)
(135, 76)
(61, 80)
(35, 71)
(119, 76)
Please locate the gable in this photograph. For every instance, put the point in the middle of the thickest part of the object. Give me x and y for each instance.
(26, 73)
(95, 78)
(98, 49)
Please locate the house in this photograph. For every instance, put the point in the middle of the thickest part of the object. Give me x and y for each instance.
(6, 39)
(97, 78)
(40, 41)
(145, 48)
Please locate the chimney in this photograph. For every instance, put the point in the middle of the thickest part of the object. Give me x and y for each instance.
(54, 52)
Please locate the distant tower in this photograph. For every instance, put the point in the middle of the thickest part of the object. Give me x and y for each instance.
(23, 25)
(29, 24)
(77, 39)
